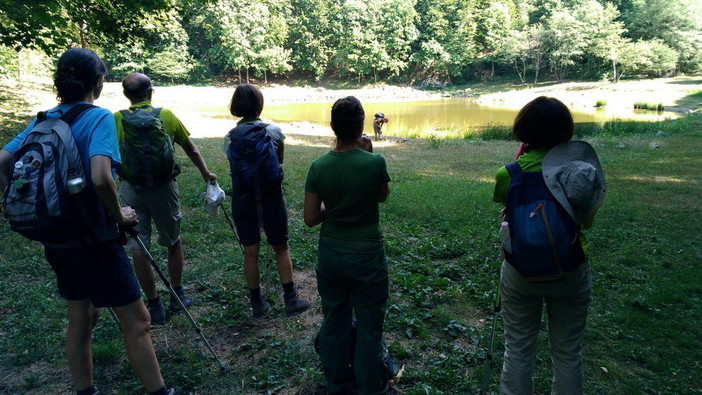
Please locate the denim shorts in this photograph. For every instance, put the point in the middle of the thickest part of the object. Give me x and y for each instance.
(273, 210)
(100, 272)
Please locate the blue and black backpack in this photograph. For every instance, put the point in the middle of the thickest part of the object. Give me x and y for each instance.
(253, 159)
(545, 244)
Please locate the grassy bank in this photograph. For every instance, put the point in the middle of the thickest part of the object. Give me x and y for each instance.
(441, 234)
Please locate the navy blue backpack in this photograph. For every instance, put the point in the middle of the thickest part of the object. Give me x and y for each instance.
(253, 159)
(544, 239)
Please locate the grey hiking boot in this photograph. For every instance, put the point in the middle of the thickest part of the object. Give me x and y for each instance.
(157, 312)
(295, 306)
(175, 307)
(258, 309)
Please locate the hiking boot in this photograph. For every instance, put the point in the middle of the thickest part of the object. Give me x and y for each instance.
(157, 312)
(258, 309)
(175, 307)
(295, 306)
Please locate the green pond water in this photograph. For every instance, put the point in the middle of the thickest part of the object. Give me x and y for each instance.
(451, 117)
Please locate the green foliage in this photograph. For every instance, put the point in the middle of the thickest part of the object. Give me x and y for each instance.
(601, 103)
(648, 106)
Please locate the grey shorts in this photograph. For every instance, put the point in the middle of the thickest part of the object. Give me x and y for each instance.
(160, 203)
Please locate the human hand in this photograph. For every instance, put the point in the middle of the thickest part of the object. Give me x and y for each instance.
(209, 177)
(365, 143)
(128, 216)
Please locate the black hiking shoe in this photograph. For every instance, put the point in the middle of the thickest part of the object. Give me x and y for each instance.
(175, 307)
(258, 309)
(157, 312)
(295, 306)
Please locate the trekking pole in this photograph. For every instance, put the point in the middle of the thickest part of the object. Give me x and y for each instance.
(231, 225)
(133, 233)
(269, 260)
(488, 357)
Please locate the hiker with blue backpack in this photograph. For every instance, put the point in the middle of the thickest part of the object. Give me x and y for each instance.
(255, 151)
(146, 137)
(343, 192)
(72, 149)
(551, 193)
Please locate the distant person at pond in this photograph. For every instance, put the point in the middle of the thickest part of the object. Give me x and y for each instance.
(148, 184)
(553, 190)
(256, 151)
(92, 269)
(378, 121)
(342, 192)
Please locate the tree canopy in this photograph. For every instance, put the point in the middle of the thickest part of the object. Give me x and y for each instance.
(414, 41)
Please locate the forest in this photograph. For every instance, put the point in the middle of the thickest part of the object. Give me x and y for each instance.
(426, 43)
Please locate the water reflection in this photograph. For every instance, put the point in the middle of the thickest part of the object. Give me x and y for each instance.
(444, 117)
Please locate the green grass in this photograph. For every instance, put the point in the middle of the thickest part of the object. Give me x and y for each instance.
(441, 238)
(648, 106)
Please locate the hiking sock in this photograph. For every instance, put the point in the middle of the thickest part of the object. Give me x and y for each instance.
(255, 295)
(289, 291)
(162, 391)
(88, 391)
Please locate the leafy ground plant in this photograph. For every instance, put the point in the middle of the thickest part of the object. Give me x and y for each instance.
(441, 239)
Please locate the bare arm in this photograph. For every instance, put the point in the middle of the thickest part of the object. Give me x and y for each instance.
(104, 184)
(5, 159)
(313, 209)
(194, 154)
(384, 192)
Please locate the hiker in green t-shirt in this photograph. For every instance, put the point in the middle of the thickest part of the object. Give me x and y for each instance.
(342, 192)
(158, 202)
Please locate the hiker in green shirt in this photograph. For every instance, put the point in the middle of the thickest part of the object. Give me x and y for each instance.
(158, 202)
(342, 193)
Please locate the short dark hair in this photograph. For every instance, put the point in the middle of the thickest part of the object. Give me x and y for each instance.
(77, 73)
(543, 123)
(136, 86)
(347, 116)
(247, 101)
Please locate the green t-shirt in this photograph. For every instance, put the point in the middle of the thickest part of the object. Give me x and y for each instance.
(349, 183)
(173, 126)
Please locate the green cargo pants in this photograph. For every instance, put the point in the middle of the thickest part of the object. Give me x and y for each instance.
(352, 280)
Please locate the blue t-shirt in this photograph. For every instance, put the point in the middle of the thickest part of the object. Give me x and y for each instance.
(95, 134)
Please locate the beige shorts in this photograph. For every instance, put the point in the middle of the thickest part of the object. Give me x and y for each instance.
(160, 203)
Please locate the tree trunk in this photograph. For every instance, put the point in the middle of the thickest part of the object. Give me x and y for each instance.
(265, 77)
(19, 66)
(239, 70)
(247, 75)
(614, 70)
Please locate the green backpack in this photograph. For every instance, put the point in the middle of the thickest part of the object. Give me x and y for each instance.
(148, 157)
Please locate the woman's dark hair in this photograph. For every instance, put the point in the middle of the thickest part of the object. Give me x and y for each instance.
(77, 74)
(247, 101)
(543, 123)
(347, 118)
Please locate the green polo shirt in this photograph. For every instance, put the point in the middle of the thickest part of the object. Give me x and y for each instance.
(173, 126)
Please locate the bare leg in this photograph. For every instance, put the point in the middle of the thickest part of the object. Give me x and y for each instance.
(253, 278)
(283, 262)
(176, 263)
(135, 324)
(144, 273)
(82, 317)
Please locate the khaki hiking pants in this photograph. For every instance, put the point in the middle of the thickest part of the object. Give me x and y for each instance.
(566, 303)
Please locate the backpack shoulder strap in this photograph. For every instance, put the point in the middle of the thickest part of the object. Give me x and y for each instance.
(156, 111)
(71, 115)
(513, 169)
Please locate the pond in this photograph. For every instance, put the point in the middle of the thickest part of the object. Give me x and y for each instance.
(445, 117)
